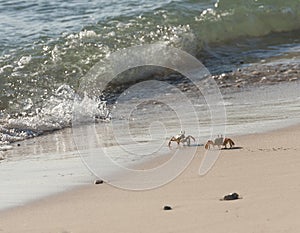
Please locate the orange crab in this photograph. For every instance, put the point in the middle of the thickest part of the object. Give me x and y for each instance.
(219, 141)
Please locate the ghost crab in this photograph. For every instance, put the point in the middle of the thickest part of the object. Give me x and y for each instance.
(181, 138)
(219, 141)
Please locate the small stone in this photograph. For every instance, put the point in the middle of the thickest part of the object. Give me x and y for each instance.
(231, 196)
(18, 144)
(293, 79)
(263, 79)
(166, 207)
(98, 182)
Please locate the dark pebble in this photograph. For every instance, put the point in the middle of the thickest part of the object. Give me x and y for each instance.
(167, 207)
(232, 196)
(98, 182)
(18, 144)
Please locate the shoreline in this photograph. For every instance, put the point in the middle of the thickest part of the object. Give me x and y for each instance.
(58, 146)
(258, 172)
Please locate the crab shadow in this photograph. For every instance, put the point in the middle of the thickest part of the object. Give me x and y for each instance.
(186, 146)
(193, 145)
(233, 148)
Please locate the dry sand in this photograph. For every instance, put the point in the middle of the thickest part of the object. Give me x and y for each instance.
(266, 173)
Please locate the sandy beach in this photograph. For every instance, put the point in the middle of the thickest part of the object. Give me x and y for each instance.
(95, 89)
(265, 172)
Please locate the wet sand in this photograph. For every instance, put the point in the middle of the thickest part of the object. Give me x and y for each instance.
(265, 172)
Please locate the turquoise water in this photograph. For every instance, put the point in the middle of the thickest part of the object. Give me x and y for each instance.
(47, 47)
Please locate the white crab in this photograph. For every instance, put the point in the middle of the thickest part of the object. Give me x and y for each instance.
(181, 138)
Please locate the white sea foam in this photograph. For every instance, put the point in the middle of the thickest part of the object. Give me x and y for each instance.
(55, 114)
